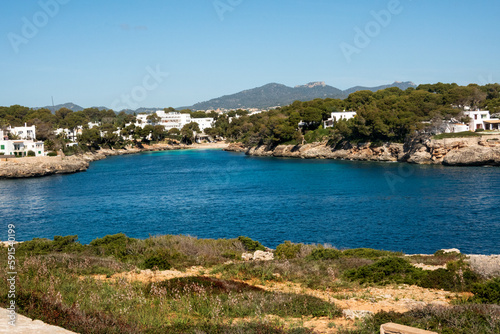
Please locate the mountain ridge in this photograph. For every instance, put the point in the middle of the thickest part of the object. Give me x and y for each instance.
(275, 94)
(264, 97)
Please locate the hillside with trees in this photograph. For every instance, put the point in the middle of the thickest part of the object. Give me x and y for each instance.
(389, 115)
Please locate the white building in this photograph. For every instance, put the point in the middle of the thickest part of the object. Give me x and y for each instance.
(173, 120)
(337, 116)
(69, 134)
(480, 119)
(203, 123)
(23, 132)
(21, 147)
(456, 127)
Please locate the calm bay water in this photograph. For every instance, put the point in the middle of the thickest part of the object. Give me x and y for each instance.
(215, 194)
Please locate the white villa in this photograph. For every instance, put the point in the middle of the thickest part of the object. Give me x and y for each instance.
(481, 119)
(173, 120)
(337, 116)
(20, 147)
(478, 119)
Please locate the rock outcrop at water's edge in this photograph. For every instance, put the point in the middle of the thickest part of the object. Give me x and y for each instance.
(471, 151)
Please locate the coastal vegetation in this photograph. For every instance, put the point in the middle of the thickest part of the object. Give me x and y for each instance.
(388, 115)
(182, 284)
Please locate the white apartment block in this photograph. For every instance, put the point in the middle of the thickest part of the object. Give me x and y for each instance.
(173, 120)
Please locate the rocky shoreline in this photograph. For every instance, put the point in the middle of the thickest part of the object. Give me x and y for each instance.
(472, 151)
(13, 168)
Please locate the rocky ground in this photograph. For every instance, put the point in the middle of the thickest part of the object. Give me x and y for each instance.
(356, 301)
(472, 151)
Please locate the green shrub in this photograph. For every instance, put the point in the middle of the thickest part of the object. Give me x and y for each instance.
(52, 154)
(159, 260)
(39, 246)
(31, 153)
(112, 245)
(386, 271)
(251, 245)
(287, 250)
(317, 135)
(368, 253)
(488, 292)
(440, 279)
(324, 254)
(231, 255)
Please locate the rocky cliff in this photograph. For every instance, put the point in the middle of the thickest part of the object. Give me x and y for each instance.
(472, 151)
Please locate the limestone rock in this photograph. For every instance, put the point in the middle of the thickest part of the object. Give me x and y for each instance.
(451, 250)
(247, 256)
(263, 256)
(420, 157)
(353, 314)
(473, 156)
(258, 256)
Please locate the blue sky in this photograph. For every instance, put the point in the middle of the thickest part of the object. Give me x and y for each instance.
(98, 53)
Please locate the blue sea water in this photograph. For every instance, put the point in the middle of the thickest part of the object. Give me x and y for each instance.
(216, 194)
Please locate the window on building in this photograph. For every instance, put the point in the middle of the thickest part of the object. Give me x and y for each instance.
(2, 147)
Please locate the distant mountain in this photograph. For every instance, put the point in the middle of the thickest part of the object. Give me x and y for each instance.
(275, 94)
(267, 96)
(401, 85)
(69, 105)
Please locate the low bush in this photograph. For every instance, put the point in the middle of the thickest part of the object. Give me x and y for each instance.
(386, 271)
(368, 253)
(487, 292)
(41, 246)
(324, 254)
(159, 260)
(287, 250)
(112, 245)
(52, 154)
(251, 245)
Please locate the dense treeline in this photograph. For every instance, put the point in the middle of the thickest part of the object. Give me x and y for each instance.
(106, 134)
(386, 115)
